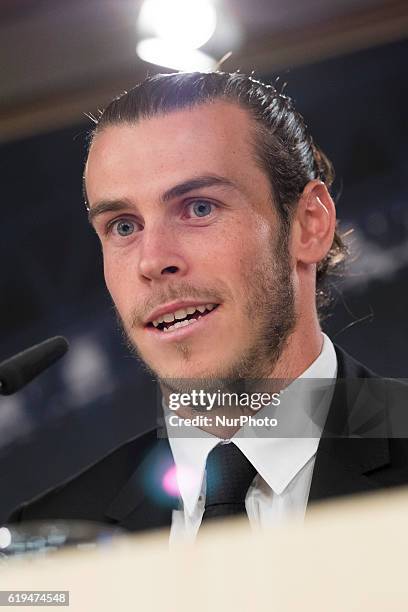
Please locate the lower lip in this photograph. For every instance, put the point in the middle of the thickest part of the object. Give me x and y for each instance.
(183, 332)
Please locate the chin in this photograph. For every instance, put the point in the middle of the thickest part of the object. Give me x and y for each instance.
(187, 365)
(182, 374)
(186, 372)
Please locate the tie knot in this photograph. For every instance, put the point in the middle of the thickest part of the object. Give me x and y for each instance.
(229, 475)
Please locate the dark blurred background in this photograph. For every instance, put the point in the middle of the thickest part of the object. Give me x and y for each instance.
(345, 65)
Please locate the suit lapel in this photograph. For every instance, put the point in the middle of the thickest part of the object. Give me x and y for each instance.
(143, 502)
(337, 473)
(354, 440)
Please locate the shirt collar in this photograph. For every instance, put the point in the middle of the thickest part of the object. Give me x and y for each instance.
(276, 459)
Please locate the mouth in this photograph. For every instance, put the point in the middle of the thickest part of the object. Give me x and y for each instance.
(181, 319)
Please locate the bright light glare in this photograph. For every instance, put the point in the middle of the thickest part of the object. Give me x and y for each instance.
(5, 537)
(169, 482)
(189, 23)
(159, 52)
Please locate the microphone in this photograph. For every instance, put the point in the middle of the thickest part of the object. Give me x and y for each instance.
(20, 369)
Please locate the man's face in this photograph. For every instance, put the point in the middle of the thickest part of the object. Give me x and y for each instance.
(188, 229)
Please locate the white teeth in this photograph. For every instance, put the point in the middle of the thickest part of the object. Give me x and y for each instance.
(180, 314)
(181, 324)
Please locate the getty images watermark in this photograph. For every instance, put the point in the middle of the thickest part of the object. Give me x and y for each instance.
(208, 400)
(300, 408)
(221, 401)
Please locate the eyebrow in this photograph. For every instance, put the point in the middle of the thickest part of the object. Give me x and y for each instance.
(177, 191)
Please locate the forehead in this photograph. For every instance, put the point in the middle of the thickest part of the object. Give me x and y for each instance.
(210, 138)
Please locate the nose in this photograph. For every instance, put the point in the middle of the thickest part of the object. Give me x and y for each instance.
(160, 255)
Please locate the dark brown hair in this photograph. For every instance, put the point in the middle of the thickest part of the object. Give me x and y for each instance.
(283, 145)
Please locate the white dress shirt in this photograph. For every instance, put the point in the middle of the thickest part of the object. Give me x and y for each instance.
(284, 464)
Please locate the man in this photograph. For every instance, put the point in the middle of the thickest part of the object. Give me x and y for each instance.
(217, 227)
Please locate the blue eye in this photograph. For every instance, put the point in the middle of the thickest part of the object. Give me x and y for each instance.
(201, 208)
(125, 228)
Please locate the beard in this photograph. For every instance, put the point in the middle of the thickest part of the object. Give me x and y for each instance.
(270, 294)
(269, 305)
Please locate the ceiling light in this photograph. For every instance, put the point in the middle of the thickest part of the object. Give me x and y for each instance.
(157, 51)
(186, 23)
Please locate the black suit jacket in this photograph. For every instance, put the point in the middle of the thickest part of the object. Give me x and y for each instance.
(358, 452)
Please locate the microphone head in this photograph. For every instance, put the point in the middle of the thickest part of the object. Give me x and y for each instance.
(20, 369)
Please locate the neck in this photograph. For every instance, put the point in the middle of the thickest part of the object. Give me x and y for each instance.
(301, 349)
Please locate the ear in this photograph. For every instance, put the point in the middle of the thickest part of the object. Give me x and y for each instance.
(314, 224)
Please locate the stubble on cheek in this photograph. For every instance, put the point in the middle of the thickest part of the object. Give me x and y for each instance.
(269, 310)
(130, 343)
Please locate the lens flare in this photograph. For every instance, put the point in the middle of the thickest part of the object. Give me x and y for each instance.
(169, 482)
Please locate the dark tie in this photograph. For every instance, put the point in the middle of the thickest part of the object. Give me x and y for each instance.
(229, 474)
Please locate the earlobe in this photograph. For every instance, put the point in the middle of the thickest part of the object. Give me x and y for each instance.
(314, 224)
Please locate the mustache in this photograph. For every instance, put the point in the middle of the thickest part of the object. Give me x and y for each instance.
(179, 291)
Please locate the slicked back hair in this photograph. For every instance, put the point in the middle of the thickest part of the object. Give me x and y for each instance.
(282, 144)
